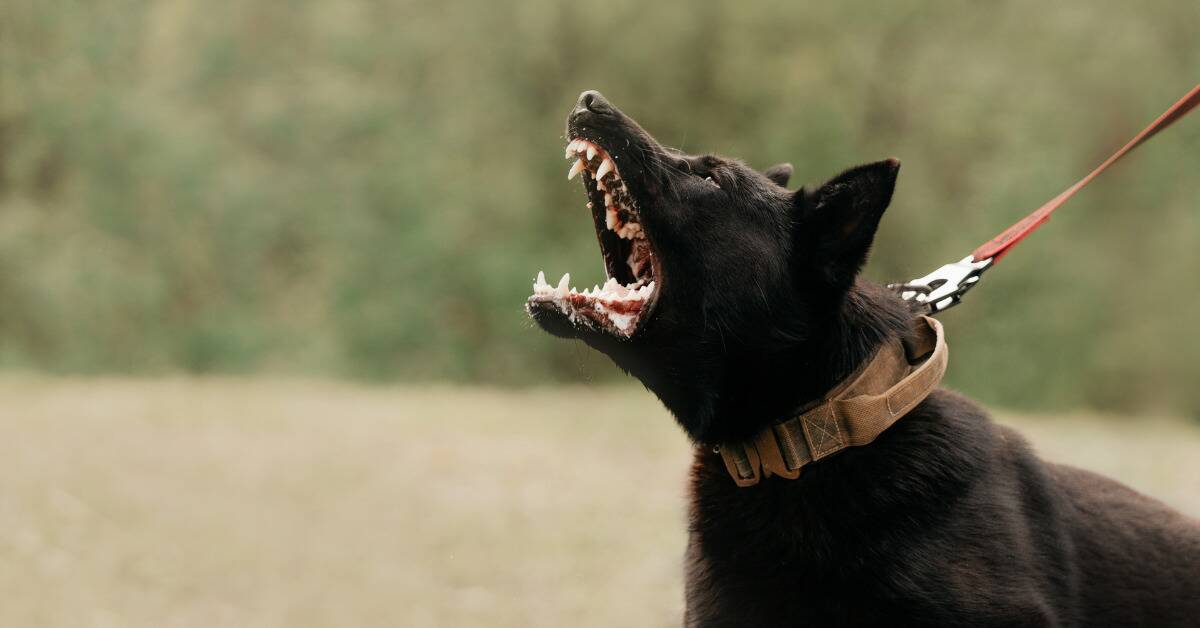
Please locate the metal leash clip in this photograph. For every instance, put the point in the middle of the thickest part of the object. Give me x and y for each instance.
(943, 288)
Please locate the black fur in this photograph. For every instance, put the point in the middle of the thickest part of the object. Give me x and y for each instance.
(946, 519)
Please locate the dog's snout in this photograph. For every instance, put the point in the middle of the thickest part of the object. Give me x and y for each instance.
(592, 101)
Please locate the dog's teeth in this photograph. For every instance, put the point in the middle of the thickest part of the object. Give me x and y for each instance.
(591, 151)
(575, 169)
(600, 185)
(622, 321)
(629, 230)
(608, 200)
(610, 218)
(564, 283)
(540, 286)
(606, 167)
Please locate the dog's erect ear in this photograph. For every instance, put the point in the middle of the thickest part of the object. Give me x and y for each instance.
(779, 173)
(837, 222)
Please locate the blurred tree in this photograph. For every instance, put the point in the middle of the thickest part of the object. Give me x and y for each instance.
(366, 188)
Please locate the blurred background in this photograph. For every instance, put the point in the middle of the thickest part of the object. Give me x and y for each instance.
(262, 265)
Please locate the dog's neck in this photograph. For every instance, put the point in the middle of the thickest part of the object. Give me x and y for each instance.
(764, 388)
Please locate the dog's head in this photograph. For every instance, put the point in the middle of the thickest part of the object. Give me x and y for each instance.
(718, 275)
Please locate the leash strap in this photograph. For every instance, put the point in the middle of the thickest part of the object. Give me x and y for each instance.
(893, 382)
(944, 287)
(999, 246)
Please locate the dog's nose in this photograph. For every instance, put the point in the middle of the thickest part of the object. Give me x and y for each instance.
(592, 101)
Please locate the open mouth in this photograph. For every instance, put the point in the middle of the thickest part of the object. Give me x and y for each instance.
(625, 300)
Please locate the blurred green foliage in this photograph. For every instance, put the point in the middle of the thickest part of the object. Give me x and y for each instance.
(367, 188)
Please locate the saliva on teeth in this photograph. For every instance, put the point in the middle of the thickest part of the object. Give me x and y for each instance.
(612, 290)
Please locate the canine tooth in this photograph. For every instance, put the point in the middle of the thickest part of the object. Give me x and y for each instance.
(564, 283)
(610, 218)
(608, 200)
(600, 185)
(575, 169)
(606, 167)
(591, 151)
(540, 286)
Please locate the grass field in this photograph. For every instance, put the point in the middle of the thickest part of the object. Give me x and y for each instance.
(290, 503)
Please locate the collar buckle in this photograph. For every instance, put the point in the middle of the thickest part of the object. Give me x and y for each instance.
(742, 463)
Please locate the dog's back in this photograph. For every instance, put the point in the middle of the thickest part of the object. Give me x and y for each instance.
(1139, 560)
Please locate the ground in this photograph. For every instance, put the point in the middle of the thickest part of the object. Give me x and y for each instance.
(295, 503)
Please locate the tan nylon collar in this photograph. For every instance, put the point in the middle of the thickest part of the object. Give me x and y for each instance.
(854, 413)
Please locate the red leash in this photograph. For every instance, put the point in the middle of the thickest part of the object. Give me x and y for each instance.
(944, 287)
(999, 246)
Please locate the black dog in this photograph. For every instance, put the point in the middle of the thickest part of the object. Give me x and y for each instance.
(737, 302)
